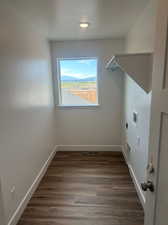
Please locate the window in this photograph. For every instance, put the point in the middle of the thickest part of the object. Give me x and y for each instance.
(77, 81)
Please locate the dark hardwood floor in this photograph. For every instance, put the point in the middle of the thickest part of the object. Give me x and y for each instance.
(82, 188)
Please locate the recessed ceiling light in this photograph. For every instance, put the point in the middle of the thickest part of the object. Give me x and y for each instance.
(84, 25)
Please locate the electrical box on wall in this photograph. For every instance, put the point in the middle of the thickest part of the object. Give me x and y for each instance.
(135, 117)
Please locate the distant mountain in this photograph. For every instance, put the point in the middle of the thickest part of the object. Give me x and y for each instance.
(70, 79)
(88, 79)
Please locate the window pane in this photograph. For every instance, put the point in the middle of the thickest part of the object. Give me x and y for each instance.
(78, 81)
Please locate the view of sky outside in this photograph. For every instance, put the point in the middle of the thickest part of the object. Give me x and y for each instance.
(78, 69)
(78, 81)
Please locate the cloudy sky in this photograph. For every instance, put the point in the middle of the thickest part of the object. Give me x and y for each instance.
(79, 68)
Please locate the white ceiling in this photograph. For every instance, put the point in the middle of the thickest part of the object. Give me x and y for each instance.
(60, 18)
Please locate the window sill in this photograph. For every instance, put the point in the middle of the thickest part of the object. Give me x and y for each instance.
(77, 106)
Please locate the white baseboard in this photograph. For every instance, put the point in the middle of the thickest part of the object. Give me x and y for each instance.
(125, 156)
(137, 186)
(95, 148)
(135, 181)
(17, 214)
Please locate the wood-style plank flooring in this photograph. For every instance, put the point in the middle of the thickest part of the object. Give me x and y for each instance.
(82, 188)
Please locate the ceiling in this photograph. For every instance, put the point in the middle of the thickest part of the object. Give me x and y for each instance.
(60, 19)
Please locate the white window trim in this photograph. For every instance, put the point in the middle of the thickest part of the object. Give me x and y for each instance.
(58, 80)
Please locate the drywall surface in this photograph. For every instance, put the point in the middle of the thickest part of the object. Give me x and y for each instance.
(92, 126)
(141, 36)
(139, 39)
(27, 134)
(137, 134)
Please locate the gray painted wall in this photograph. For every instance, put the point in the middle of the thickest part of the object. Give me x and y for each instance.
(139, 39)
(27, 134)
(92, 126)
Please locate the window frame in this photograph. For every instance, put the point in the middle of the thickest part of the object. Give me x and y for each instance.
(58, 85)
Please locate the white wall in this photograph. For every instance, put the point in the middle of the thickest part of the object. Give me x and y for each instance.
(141, 36)
(27, 134)
(93, 126)
(139, 39)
